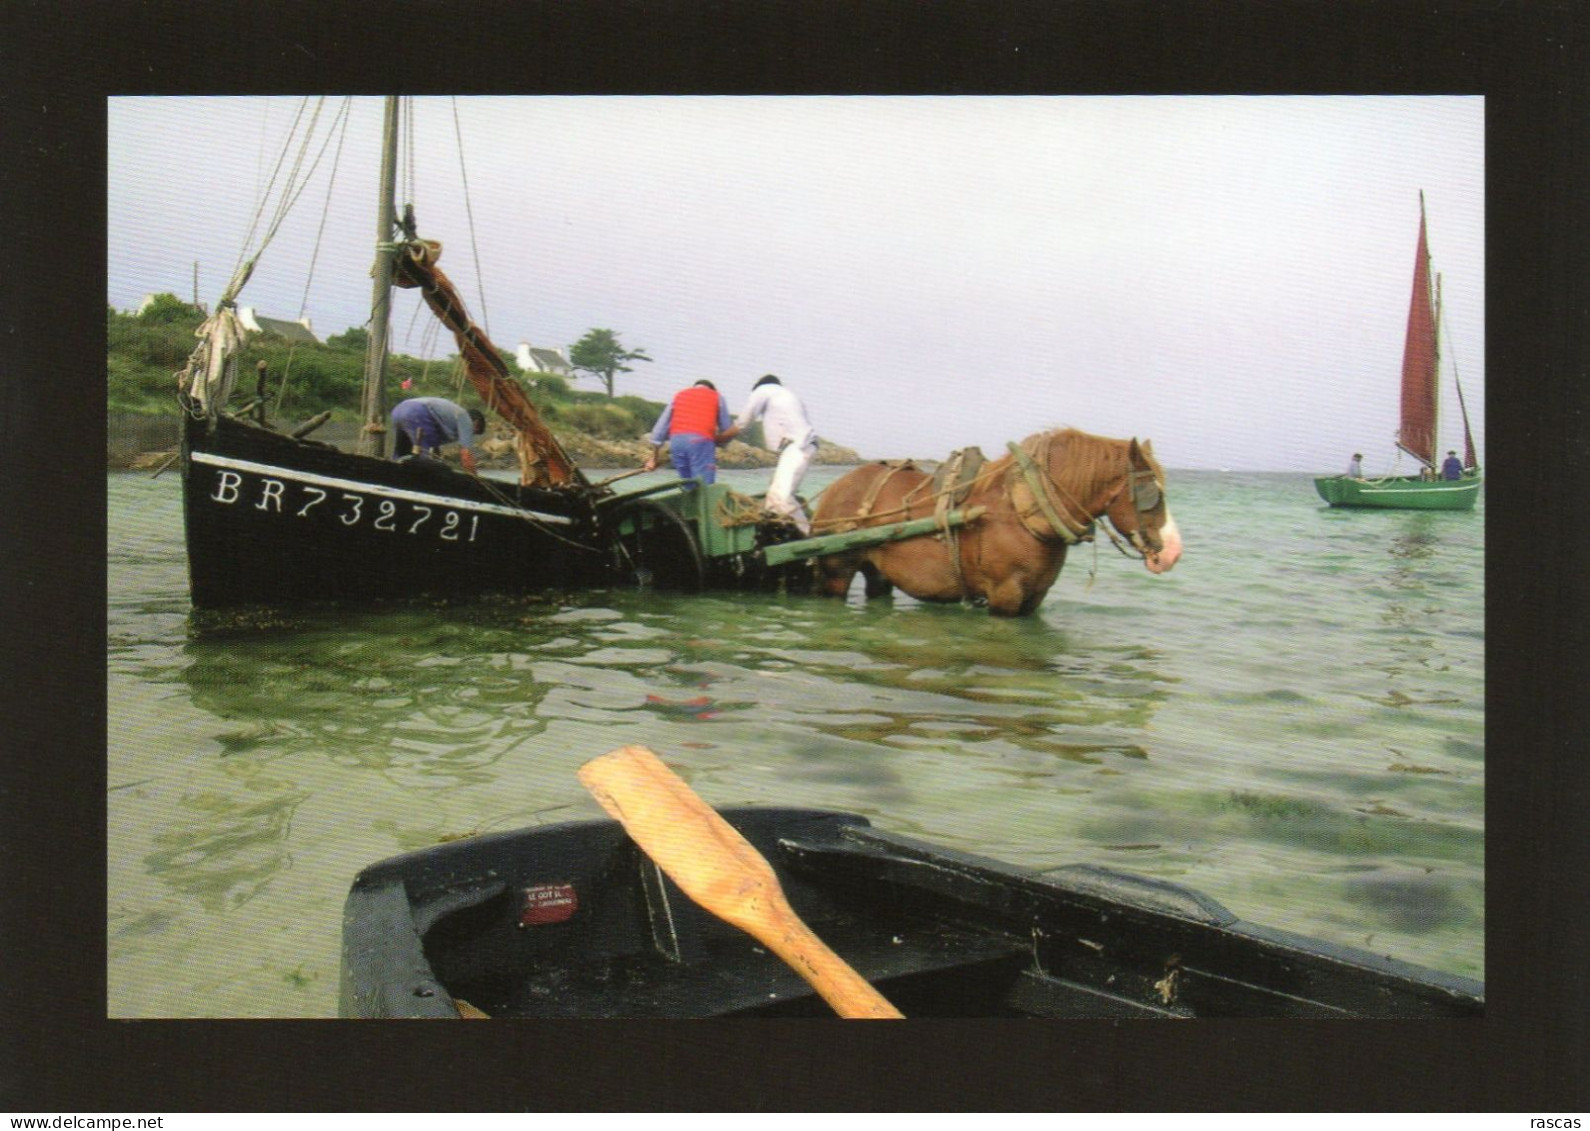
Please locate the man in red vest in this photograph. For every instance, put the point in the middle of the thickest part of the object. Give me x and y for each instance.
(690, 426)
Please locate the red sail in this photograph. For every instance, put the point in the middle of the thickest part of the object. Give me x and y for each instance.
(1417, 436)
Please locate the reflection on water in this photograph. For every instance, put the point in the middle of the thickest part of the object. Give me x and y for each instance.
(1412, 609)
(1298, 733)
(439, 698)
(411, 699)
(229, 850)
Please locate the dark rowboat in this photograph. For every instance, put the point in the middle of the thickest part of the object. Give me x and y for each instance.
(575, 921)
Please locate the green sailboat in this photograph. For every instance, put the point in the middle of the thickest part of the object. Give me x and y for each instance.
(1429, 488)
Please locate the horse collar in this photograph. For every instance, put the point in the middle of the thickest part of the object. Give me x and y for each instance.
(1043, 504)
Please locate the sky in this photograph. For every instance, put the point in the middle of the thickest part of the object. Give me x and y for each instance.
(1227, 276)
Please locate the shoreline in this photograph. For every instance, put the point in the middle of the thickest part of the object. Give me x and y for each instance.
(145, 443)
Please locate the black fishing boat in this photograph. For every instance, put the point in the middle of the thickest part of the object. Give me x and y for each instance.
(576, 921)
(275, 520)
(275, 516)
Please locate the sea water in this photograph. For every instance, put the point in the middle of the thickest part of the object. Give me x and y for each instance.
(1291, 721)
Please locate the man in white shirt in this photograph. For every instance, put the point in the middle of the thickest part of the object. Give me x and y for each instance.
(787, 431)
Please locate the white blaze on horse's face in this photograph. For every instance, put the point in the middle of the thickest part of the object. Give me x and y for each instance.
(1171, 550)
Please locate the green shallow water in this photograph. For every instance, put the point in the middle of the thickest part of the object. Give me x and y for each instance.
(1291, 721)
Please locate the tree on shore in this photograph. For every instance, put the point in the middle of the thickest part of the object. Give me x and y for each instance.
(167, 309)
(601, 354)
(144, 352)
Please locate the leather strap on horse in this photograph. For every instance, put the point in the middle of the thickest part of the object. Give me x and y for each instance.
(864, 511)
(1032, 495)
(953, 482)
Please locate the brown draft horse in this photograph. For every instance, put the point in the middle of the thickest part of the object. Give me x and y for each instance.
(1040, 499)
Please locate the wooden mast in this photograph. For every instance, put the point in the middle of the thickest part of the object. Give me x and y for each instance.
(372, 437)
(1435, 420)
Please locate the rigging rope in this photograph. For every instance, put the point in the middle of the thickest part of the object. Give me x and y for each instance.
(244, 258)
(431, 331)
(495, 491)
(211, 370)
(469, 212)
(314, 257)
(297, 181)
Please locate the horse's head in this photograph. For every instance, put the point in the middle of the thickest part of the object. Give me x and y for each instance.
(1140, 514)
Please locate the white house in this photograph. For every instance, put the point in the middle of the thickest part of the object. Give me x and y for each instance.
(542, 360)
(300, 331)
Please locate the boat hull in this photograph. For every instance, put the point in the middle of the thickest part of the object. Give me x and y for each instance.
(1400, 493)
(574, 921)
(273, 520)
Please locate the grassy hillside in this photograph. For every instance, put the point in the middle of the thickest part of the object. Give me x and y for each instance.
(145, 350)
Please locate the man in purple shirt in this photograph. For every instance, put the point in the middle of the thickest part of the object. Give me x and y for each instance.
(423, 424)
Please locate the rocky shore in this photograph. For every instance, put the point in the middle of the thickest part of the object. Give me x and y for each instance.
(151, 451)
(588, 451)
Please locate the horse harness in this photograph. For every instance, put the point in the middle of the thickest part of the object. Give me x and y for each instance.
(1039, 503)
(870, 500)
(950, 485)
(1047, 512)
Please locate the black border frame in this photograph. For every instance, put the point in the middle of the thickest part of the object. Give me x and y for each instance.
(62, 60)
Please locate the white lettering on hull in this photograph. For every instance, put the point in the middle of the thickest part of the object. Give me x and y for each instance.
(226, 485)
(229, 484)
(231, 487)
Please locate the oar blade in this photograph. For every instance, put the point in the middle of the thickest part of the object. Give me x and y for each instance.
(721, 870)
(705, 855)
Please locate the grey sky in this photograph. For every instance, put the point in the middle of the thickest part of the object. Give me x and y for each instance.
(1228, 276)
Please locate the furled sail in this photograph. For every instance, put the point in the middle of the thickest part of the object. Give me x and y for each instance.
(1469, 457)
(1419, 361)
(211, 372)
(542, 460)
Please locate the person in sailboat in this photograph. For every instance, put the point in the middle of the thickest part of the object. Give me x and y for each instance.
(1452, 467)
(1355, 467)
(421, 425)
(692, 426)
(787, 431)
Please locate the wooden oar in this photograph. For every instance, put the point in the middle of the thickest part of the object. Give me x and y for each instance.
(620, 475)
(719, 869)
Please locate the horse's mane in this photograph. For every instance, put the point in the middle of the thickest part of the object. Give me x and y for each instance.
(1086, 458)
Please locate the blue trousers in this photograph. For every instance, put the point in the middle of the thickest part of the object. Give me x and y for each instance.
(417, 430)
(694, 456)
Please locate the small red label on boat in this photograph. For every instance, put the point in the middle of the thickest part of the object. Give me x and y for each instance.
(548, 903)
